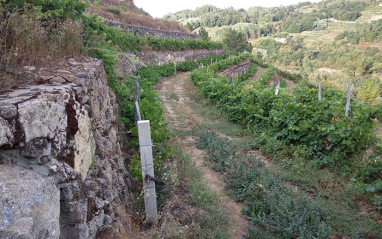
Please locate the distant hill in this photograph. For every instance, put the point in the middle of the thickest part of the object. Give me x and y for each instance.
(261, 21)
(331, 41)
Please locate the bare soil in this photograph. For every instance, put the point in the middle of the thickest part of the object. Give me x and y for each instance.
(182, 118)
(260, 71)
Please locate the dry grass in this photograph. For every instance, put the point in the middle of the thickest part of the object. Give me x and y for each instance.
(26, 41)
(131, 18)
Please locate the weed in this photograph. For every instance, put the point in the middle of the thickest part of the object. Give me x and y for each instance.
(270, 204)
(116, 11)
(174, 97)
(28, 41)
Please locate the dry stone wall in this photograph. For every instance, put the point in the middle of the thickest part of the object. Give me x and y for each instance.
(231, 72)
(128, 64)
(156, 33)
(164, 57)
(62, 169)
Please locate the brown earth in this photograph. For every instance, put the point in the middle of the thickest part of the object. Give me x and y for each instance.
(182, 118)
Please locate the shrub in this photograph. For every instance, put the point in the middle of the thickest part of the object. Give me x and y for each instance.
(270, 204)
(62, 9)
(114, 10)
(297, 119)
(29, 41)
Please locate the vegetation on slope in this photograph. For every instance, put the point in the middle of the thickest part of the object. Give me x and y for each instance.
(304, 137)
(34, 33)
(125, 12)
(331, 41)
(263, 21)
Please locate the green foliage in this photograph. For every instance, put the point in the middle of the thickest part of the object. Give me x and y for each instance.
(190, 65)
(27, 39)
(369, 92)
(50, 9)
(98, 34)
(189, 26)
(116, 11)
(270, 205)
(370, 32)
(221, 152)
(203, 34)
(236, 41)
(187, 65)
(297, 119)
(174, 44)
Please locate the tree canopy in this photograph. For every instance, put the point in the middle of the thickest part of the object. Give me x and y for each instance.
(236, 41)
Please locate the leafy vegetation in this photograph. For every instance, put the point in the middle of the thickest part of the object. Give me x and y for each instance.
(276, 206)
(35, 35)
(62, 9)
(269, 204)
(264, 21)
(236, 41)
(287, 124)
(330, 42)
(203, 34)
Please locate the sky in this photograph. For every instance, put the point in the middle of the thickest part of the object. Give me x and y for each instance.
(159, 8)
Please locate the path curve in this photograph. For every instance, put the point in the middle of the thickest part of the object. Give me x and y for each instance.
(174, 95)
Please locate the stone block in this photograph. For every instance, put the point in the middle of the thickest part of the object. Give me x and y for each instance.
(6, 135)
(29, 204)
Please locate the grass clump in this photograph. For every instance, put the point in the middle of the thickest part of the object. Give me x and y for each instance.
(26, 39)
(270, 205)
(114, 10)
(201, 215)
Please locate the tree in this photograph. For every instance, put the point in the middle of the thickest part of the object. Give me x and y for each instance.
(369, 91)
(189, 26)
(203, 34)
(356, 62)
(236, 41)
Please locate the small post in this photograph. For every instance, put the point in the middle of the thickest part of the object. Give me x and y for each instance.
(137, 114)
(277, 88)
(175, 67)
(211, 61)
(145, 148)
(348, 99)
(202, 65)
(319, 91)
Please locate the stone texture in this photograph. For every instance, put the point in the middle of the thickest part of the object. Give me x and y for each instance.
(62, 170)
(57, 80)
(62, 134)
(45, 117)
(165, 57)
(128, 63)
(85, 147)
(8, 111)
(6, 136)
(146, 31)
(29, 204)
(236, 69)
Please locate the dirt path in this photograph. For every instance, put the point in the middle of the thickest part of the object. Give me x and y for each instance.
(260, 71)
(175, 94)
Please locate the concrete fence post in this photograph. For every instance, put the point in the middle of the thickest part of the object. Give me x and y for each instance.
(145, 147)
